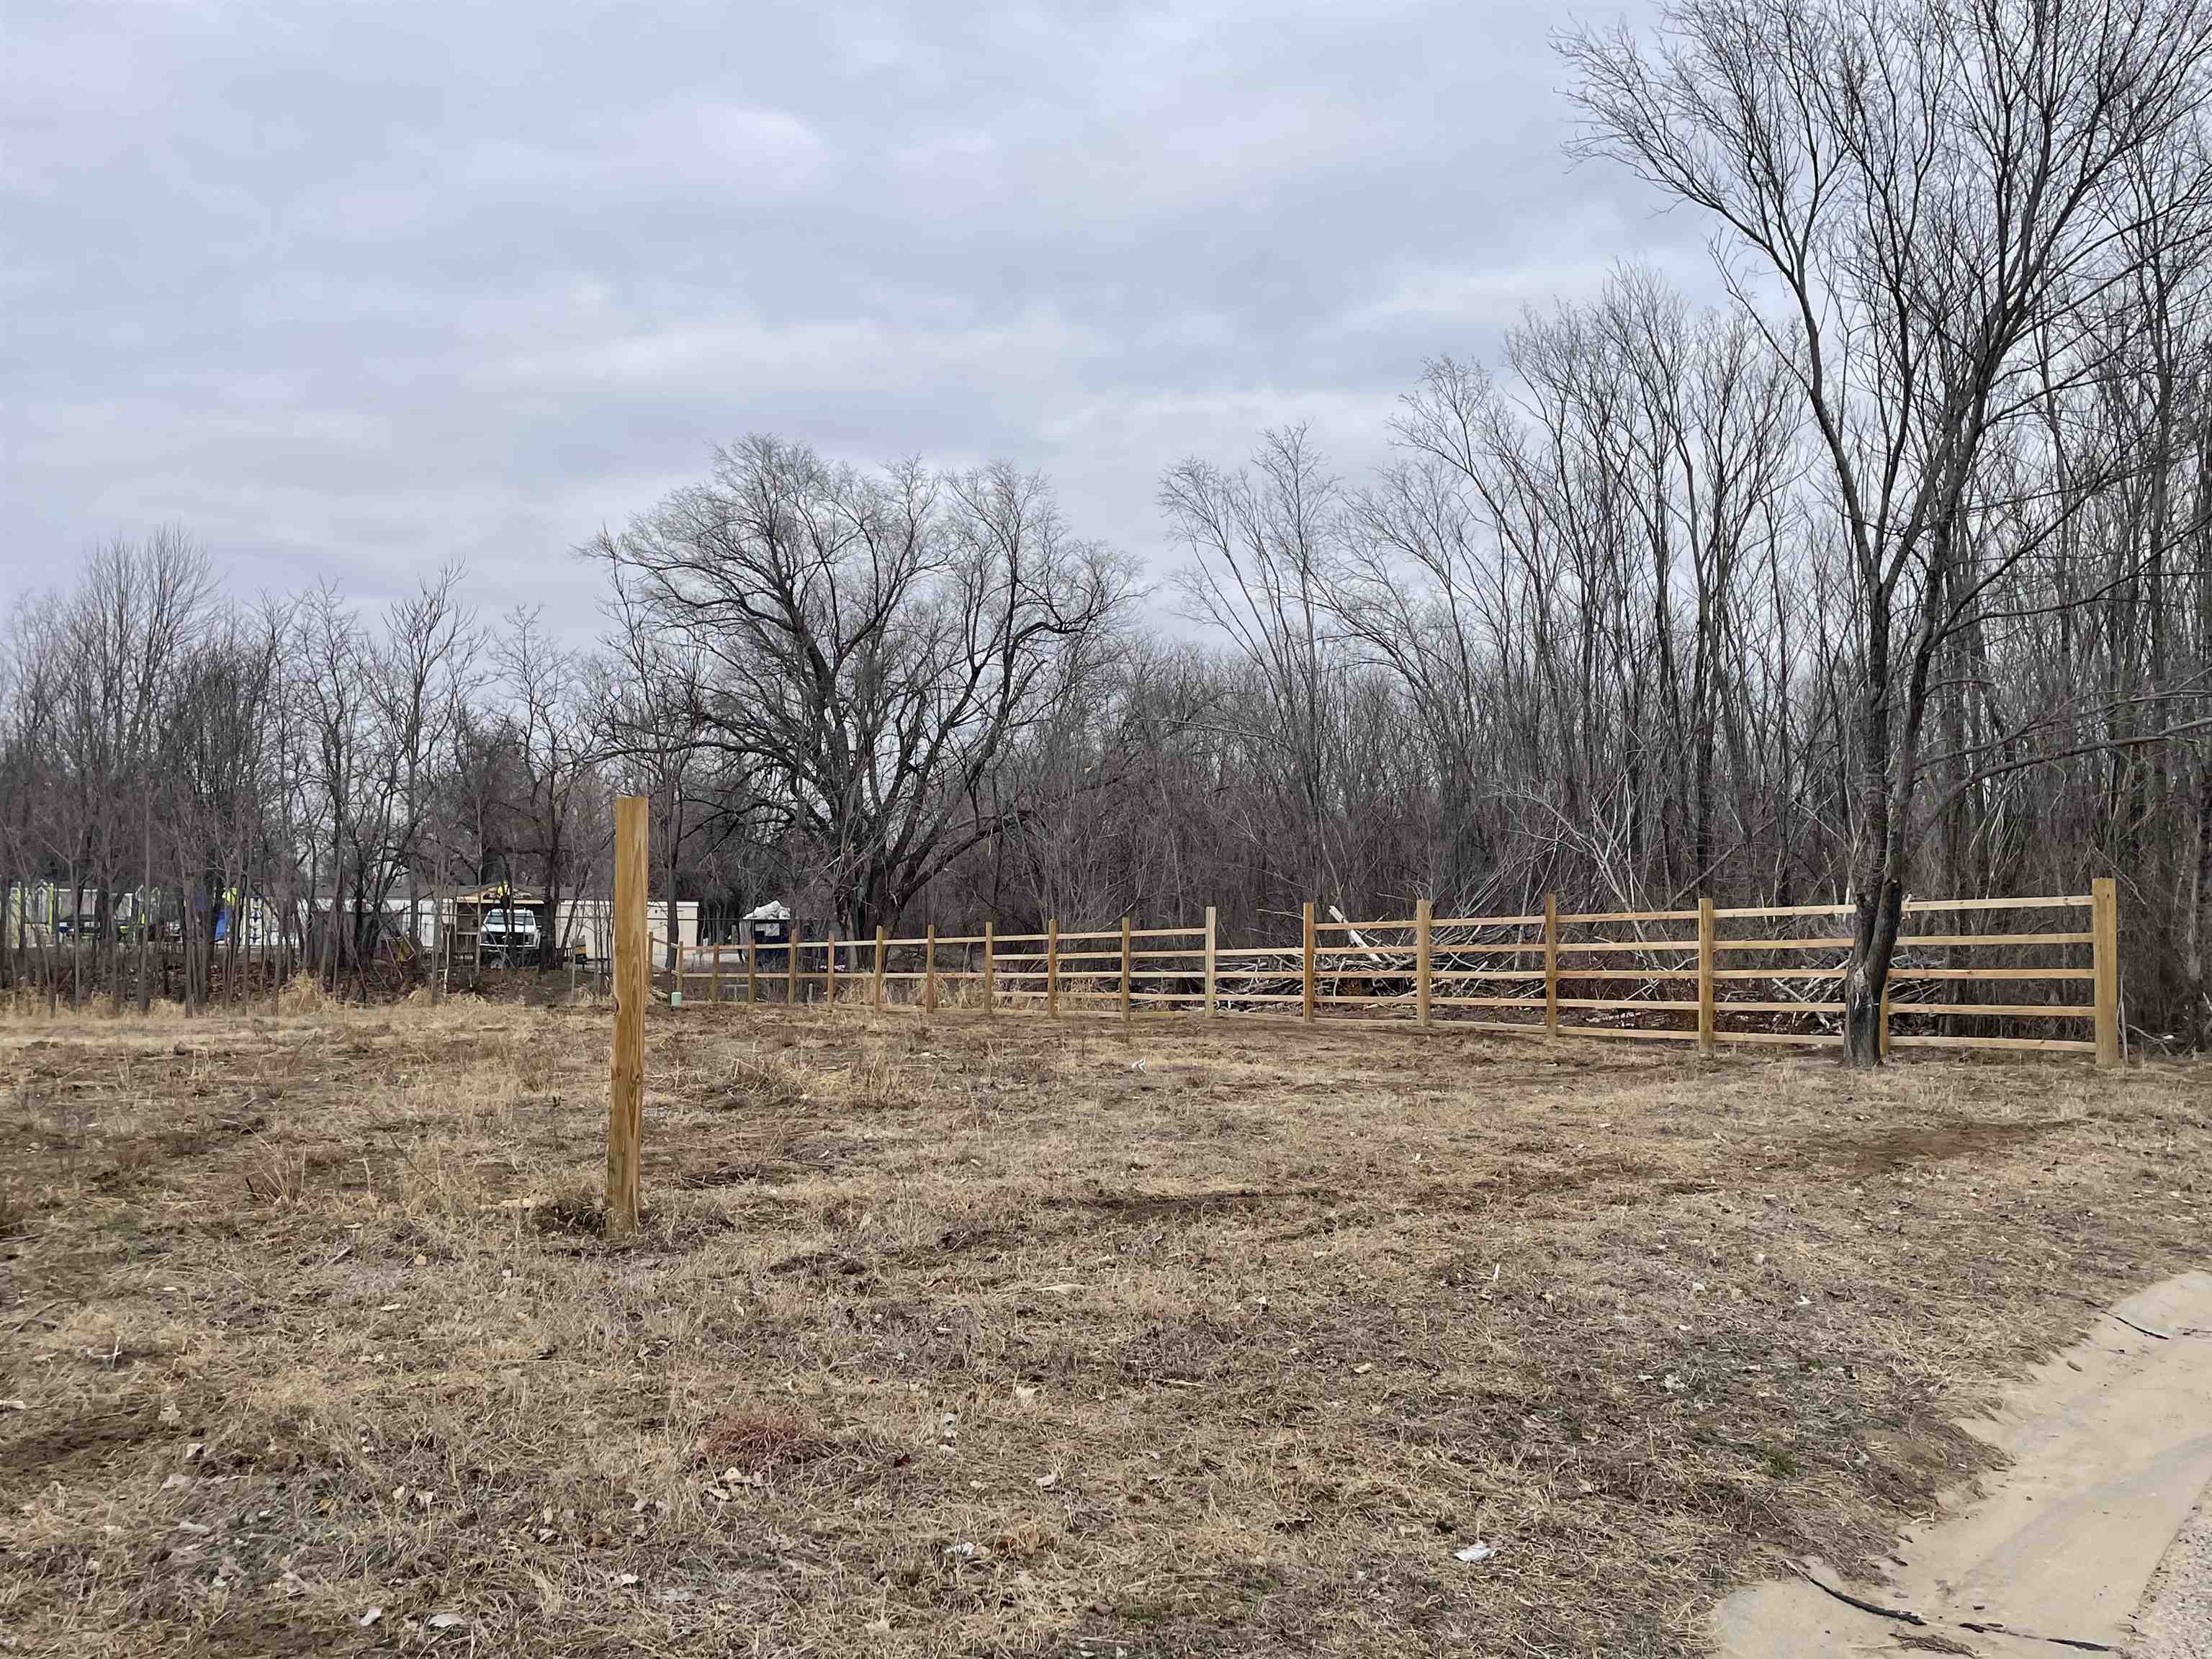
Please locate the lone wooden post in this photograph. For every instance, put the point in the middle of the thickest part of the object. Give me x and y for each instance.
(879, 966)
(1308, 1000)
(1706, 1038)
(990, 969)
(1551, 964)
(1424, 914)
(929, 972)
(633, 989)
(1125, 972)
(752, 971)
(1051, 968)
(2105, 949)
(1210, 954)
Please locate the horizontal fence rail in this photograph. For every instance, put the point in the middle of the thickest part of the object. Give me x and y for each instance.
(1709, 976)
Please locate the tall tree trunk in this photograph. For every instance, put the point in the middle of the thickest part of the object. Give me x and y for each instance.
(1879, 895)
(77, 942)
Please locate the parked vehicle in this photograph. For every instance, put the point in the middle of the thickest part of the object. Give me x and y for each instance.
(510, 937)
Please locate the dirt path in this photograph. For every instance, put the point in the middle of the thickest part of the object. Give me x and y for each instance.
(2111, 1450)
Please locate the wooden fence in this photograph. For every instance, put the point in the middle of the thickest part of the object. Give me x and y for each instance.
(1709, 976)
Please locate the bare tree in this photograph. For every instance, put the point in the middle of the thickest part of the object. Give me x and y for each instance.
(427, 662)
(550, 742)
(1916, 202)
(872, 644)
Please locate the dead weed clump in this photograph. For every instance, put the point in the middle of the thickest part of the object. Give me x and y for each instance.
(757, 1080)
(760, 1441)
(275, 1174)
(872, 1082)
(303, 995)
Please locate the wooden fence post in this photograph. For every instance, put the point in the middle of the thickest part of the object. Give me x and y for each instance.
(1125, 971)
(1551, 964)
(1705, 1010)
(1210, 954)
(676, 943)
(1884, 1017)
(2105, 932)
(1424, 914)
(752, 971)
(830, 971)
(1308, 1000)
(1051, 968)
(879, 968)
(790, 966)
(929, 974)
(633, 989)
(718, 973)
(990, 969)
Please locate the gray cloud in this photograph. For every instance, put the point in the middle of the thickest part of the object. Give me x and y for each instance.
(353, 288)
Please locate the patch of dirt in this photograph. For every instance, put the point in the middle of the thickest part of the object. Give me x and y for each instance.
(696, 1179)
(265, 1632)
(92, 1438)
(779, 1155)
(1148, 1206)
(209, 1135)
(1907, 1144)
(569, 1217)
(820, 1264)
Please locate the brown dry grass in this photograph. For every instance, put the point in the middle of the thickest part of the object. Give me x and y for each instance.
(1007, 1337)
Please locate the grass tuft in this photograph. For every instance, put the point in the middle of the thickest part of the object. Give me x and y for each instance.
(756, 1079)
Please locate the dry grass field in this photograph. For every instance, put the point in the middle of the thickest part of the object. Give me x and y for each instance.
(1007, 1337)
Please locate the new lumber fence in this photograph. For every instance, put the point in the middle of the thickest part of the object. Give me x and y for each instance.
(1710, 976)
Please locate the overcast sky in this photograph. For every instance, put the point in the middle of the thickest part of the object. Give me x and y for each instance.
(349, 290)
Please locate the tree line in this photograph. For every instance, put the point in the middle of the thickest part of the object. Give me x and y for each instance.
(1886, 575)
